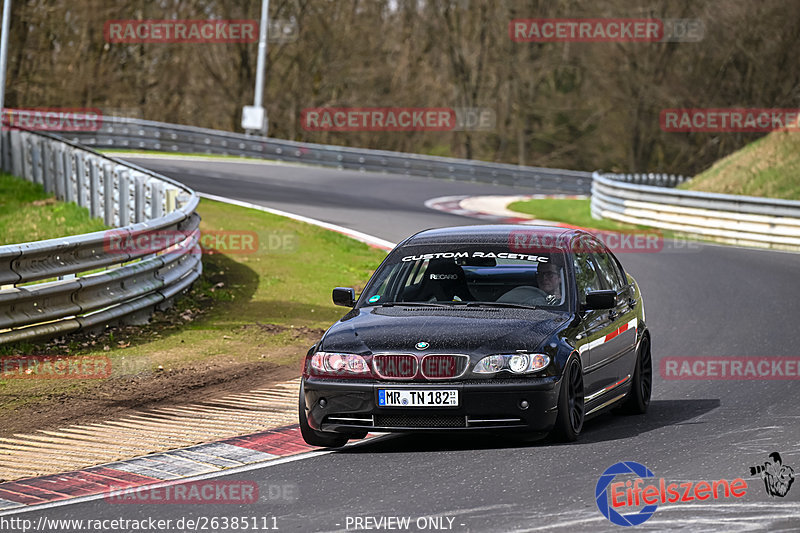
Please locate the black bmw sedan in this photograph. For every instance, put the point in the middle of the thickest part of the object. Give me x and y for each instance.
(519, 328)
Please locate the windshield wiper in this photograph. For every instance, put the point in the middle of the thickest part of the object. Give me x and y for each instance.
(413, 304)
(502, 304)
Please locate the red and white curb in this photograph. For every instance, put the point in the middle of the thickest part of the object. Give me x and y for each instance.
(494, 208)
(203, 460)
(199, 460)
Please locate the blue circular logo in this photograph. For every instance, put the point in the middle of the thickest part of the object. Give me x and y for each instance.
(422, 345)
(374, 299)
(603, 498)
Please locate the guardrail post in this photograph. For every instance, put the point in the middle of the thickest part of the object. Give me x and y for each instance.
(80, 170)
(94, 190)
(47, 172)
(108, 198)
(27, 158)
(36, 162)
(124, 198)
(6, 150)
(16, 154)
(59, 173)
(157, 200)
(69, 174)
(172, 197)
(138, 199)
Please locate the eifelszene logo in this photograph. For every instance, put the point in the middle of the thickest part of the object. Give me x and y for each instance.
(778, 477)
(615, 497)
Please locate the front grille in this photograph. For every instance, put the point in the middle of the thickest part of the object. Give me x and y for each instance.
(396, 366)
(443, 366)
(420, 421)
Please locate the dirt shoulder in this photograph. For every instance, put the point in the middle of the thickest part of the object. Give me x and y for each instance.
(246, 323)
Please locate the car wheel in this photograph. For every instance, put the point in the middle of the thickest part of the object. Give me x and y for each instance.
(314, 437)
(639, 396)
(569, 421)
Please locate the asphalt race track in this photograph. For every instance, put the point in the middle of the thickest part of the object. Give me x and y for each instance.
(707, 300)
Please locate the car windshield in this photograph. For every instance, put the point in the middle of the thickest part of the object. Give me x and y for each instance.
(492, 276)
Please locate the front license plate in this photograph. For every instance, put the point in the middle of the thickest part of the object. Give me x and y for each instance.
(417, 398)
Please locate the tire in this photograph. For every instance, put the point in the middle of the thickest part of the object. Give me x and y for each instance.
(638, 398)
(314, 437)
(571, 408)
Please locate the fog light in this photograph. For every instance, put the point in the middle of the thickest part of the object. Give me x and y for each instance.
(323, 402)
(524, 404)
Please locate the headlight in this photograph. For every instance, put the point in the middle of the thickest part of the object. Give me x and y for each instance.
(518, 363)
(339, 363)
(490, 365)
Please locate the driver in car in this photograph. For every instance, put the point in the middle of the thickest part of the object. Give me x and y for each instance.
(547, 291)
(548, 277)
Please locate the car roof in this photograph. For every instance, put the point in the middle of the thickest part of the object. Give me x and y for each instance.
(487, 234)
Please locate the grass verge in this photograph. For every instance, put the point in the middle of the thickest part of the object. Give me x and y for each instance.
(576, 212)
(249, 319)
(767, 167)
(28, 213)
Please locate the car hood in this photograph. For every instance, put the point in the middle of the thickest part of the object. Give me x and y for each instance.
(474, 331)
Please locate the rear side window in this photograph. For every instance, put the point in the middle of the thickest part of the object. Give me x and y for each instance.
(587, 277)
(610, 271)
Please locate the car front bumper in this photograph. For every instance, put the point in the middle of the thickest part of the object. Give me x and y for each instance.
(352, 407)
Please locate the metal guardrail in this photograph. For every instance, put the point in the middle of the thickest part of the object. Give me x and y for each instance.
(141, 202)
(96, 284)
(136, 134)
(733, 219)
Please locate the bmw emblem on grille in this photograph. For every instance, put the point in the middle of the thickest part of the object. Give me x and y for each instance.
(422, 345)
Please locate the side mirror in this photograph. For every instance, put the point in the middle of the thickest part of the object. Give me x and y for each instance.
(344, 296)
(601, 300)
